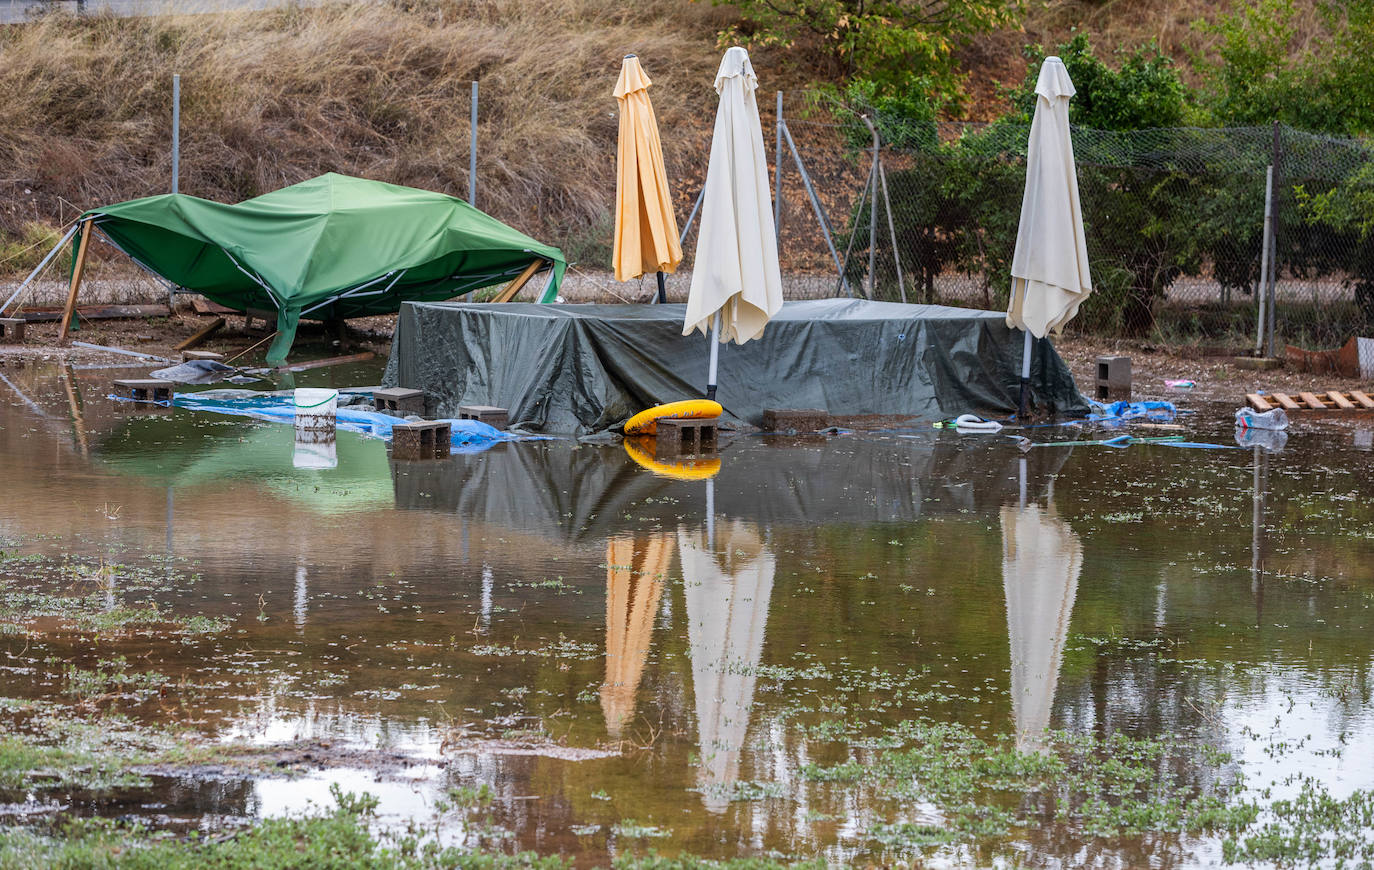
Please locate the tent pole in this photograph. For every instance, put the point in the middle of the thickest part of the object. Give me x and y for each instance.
(34, 274)
(715, 357)
(77, 270)
(662, 289)
(1023, 406)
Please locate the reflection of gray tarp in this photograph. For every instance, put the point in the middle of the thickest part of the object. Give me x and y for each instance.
(588, 492)
(584, 368)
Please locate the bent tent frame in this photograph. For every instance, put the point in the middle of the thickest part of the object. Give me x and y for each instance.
(519, 276)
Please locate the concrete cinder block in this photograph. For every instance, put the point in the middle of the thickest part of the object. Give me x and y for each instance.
(794, 420)
(1113, 378)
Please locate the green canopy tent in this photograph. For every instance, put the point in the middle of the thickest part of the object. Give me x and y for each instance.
(331, 247)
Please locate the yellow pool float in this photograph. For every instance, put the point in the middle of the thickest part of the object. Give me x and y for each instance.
(646, 422)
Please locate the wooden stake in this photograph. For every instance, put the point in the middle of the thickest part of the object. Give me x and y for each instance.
(520, 280)
(77, 270)
(205, 332)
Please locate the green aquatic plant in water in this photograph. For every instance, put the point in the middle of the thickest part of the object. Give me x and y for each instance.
(1110, 786)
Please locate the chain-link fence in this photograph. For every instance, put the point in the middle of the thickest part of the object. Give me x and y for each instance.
(1175, 223)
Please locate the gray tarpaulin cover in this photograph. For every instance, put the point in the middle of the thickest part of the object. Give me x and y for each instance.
(584, 368)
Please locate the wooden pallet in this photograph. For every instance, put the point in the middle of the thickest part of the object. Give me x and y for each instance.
(1331, 400)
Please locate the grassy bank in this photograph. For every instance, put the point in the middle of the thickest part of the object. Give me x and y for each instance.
(375, 89)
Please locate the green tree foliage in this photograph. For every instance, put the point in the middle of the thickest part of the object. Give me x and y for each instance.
(1267, 71)
(898, 45)
(1145, 92)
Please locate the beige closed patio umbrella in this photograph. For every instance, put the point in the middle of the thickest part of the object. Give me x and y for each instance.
(736, 282)
(1049, 270)
(1041, 560)
(645, 228)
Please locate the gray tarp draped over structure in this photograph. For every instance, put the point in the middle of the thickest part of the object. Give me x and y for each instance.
(585, 368)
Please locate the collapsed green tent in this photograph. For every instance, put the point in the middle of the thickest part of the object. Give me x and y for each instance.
(331, 247)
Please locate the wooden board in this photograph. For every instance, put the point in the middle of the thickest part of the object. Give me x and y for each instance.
(205, 306)
(201, 334)
(331, 361)
(98, 312)
(1286, 403)
(1312, 401)
(1339, 400)
(1362, 399)
(1258, 402)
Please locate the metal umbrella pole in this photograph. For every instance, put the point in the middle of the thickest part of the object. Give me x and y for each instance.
(715, 358)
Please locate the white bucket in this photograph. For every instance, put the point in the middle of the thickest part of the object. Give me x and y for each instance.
(315, 408)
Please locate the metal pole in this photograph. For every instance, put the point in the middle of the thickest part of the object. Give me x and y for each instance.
(1274, 266)
(701, 197)
(39, 268)
(844, 264)
(176, 132)
(777, 178)
(1263, 290)
(1023, 405)
(892, 231)
(715, 357)
(472, 151)
(662, 290)
(873, 215)
(815, 205)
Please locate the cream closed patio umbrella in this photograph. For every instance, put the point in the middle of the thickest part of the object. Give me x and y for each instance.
(736, 282)
(645, 228)
(1049, 270)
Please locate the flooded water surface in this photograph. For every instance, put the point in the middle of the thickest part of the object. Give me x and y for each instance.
(870, 648)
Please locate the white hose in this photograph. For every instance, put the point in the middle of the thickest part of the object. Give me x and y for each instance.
(972, 423)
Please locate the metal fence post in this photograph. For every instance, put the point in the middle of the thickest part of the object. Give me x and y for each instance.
(472, 151)
(1262, 291)
(777, 178)
(873, 217)
(176, 132)
(1274, 264)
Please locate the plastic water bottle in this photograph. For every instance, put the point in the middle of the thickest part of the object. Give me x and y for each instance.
(1249, 418)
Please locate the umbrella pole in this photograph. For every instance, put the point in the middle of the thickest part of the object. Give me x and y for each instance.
(715, 357)
(1023, 405)
(662, 290)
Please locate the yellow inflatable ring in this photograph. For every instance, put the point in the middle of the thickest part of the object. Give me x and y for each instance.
(646, 422)
(641, 450)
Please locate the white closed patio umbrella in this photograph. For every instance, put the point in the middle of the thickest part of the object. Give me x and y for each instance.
(1049, 270)
(736, 282)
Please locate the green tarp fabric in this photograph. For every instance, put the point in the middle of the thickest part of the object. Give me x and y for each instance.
(330, 247)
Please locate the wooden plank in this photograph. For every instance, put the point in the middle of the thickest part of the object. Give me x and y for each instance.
(1312, 401)
(201, 334)
(1258, 402)
(1341, 401)
(78, 270)
(99, 312)
(205, 306)
(520, 280)
(331, 361)
(1362, 399)
(1286, 403)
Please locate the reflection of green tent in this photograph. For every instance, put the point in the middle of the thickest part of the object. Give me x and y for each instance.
(172, 453)
(330, 247)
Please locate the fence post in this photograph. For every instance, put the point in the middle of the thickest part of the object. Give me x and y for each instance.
(777, 179)
(472, 151)
(1262, 291)
(873, 217)
(1274, 264)
(176, 132)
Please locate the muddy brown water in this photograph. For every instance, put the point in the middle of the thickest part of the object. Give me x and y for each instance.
(598, 643)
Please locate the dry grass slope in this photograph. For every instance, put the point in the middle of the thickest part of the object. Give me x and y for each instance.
(373, 89)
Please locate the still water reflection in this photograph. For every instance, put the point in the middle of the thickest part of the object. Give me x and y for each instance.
(598, 643)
